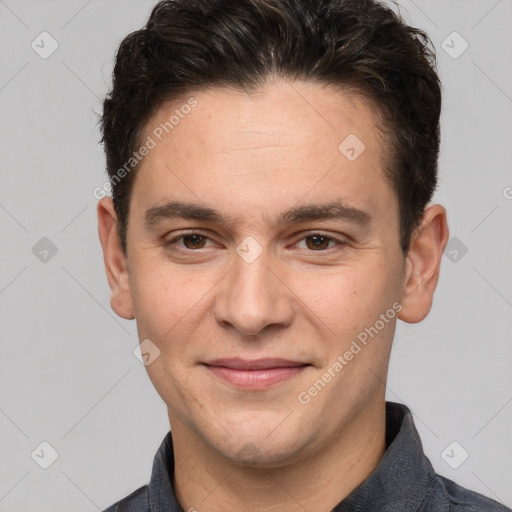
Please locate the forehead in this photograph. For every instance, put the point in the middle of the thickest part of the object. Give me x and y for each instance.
(265, 147)
(279, 112)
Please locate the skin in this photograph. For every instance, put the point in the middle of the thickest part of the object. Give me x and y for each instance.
(252, 157)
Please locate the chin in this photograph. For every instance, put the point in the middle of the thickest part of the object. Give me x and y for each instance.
(247, 448)
(262, 457)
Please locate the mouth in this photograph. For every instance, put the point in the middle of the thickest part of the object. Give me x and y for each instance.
(255, 374)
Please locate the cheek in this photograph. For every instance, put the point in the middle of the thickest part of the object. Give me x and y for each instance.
(165, 300)
(348, 298)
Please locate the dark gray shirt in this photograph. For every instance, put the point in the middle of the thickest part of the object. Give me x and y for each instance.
(404, 480)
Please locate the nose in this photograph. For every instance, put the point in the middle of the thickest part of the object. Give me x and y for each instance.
(252, 297)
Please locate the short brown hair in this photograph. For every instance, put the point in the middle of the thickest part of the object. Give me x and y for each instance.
(361, 45)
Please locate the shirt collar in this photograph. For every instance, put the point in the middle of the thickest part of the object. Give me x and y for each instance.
(161, 490)
(400, 481)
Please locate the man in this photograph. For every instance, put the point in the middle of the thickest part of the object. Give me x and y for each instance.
(272, 163)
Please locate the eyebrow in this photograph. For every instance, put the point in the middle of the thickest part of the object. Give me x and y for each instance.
(192, 211)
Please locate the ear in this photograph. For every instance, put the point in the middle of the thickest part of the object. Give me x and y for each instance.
(114, 259)
(423, 263)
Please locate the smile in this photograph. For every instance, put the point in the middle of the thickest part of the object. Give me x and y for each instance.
(257, 374)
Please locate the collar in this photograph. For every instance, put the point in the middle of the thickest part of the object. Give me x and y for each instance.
(400, 481)
(404, 475)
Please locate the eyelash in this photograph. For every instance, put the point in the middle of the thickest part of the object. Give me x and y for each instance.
(172, 242)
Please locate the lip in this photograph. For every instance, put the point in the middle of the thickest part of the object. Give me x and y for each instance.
(256, 374)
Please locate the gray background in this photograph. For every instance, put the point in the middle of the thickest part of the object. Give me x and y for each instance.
(68, 375)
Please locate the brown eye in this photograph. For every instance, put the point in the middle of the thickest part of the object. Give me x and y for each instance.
(317, 242)
(194, 241)
(188, 242)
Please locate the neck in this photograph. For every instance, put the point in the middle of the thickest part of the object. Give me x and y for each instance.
(205, 480)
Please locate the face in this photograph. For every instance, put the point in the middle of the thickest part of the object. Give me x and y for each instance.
(264, 263)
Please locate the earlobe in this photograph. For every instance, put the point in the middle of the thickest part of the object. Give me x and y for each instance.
(114, 260)
(423, 264)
